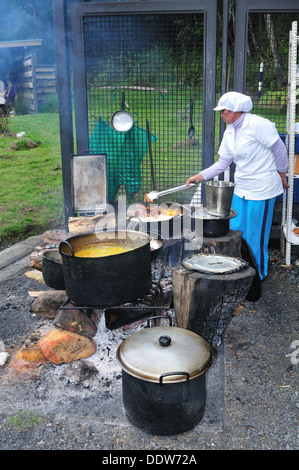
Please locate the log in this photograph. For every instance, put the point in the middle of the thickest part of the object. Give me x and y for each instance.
(36, 263)
(228, 245)
(89, 223)
(205, 303)
(55, 237)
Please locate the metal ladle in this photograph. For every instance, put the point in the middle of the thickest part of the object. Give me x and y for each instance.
(155, 194)
(191, 128)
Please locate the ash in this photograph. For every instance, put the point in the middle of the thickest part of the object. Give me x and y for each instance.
(107, 340)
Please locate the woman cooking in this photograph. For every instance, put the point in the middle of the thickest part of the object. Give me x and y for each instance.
(261, 160)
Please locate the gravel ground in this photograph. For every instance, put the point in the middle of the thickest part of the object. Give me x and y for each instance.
(252, 387)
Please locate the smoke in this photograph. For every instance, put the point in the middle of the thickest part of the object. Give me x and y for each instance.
(27, 19)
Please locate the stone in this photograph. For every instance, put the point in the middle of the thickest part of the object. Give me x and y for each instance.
(36, 264)
(80, 371)
(61, 346)
(3, 358)
(24, 143)
(28, 357)
(81, 322)
(47, 303)
(36, 275)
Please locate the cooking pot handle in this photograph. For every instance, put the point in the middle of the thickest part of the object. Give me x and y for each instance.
(69, 245)
(159, 316)
(173, 373)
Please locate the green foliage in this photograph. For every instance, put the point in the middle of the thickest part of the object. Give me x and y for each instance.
(24, 420)
(20, 107)
(274, 100)
(4, 118)
(49, 104)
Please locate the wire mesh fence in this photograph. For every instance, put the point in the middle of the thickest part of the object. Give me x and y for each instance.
(152, 67)
(267, 69)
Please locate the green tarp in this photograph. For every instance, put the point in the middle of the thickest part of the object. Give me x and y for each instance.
(125, 151)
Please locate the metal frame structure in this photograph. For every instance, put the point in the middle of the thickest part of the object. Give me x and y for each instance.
(208, 7)
(288, 238)
(78, 11)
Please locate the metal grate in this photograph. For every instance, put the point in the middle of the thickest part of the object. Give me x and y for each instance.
(154, 64)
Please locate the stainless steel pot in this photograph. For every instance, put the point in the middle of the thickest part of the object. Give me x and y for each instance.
(107, 280)
(219, 196)
(163, 378)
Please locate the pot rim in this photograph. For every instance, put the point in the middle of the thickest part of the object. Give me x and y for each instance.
(219, 184)
(48, 258)
(207, 216)
(132, 233)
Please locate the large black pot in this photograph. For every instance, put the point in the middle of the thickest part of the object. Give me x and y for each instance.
(163, 379)
(107, 280)
(52, 269)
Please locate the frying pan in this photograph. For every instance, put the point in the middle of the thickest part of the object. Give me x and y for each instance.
(122, 121)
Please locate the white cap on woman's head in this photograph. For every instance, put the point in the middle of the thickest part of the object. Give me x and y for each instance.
(234, 101)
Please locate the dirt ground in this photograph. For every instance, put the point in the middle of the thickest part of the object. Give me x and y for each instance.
(252, 386)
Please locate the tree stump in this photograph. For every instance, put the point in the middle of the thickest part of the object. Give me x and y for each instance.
(228, 245)
(204, 303)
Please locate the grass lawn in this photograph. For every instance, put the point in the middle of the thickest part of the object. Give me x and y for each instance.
(31, 193)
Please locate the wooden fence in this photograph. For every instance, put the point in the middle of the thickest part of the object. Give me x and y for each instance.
(34, 82)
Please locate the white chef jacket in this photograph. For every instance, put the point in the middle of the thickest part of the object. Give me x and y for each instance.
(256, 175)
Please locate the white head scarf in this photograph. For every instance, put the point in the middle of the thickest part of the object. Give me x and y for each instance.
(234, 101)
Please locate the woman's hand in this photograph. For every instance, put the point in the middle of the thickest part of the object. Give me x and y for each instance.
(194, 179)
(284, 180)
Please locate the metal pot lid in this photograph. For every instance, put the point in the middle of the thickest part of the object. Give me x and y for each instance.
(214, 264)
(154, 351)
(202, 213)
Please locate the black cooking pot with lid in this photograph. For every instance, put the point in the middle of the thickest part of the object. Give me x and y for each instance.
(163, 378)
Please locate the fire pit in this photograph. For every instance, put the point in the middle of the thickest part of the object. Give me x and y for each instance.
(154, 302)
